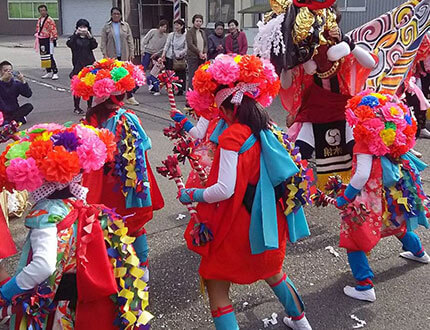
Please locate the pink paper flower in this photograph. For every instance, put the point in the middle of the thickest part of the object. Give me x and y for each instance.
(46, 126)
(199, 102)
(104, 87)
(351, 118)
(224, 70)
(84, 132)
(92, 154)
(24, 174)
(269, 71)
(139, 76)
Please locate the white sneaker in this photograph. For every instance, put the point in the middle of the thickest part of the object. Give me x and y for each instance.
(416, 153)
(150, 87)
(425, 259)
(55, 76)
(145, 277)
(302, 324)
(131, 101)
(47, 75)
(424, 133)
(367, 295)
(156, 93)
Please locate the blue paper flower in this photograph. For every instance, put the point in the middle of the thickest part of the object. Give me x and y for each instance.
(369, 100)
(408, 119)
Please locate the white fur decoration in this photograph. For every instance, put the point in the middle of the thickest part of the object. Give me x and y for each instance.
(270, 37)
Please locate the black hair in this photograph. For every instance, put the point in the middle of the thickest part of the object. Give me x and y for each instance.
(156, 57)
(42, 6)
(115, 8)
(100, 111)
(83, 22)
(3, 63)
(182, 23)
(195, 17)
(233, 21)
(249, 113)
(219, 23)
(163, 22)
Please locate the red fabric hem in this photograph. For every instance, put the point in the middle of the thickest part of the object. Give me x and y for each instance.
(222, 311)
(280, 281)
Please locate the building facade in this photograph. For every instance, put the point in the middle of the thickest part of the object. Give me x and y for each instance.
(19, 17)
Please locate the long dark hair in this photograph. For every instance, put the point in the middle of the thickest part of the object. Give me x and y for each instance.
(249, 113)
(182, 23)
(101, 112)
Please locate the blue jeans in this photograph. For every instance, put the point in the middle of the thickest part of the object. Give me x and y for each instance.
(146, 60)
(151, 80)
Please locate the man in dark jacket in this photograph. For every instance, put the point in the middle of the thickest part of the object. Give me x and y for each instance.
(12, 85)
(197, 45)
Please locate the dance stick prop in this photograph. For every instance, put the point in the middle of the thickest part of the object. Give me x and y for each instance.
(200, 233)
(184, 149)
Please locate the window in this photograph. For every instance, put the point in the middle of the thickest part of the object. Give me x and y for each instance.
(220, 10)
(24, 9)
(352, 5)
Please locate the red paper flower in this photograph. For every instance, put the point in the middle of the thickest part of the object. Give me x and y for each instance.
(251, 69)
(108, 139)
(39, 150)
(60, 166)
(103, 73)
(203, 83)
(125, 84)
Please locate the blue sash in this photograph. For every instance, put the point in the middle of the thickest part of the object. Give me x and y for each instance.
(276, 166)
(144, 143)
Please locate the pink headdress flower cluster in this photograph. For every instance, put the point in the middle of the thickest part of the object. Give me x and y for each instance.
(53, 153)
(107, 77)
(255, 76)
(382, 123)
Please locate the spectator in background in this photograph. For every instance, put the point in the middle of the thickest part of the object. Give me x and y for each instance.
(153, 43)
(82, 43)
(175, 51)
(216, 41)
(12, 85)
(117, 42)
(236, 41)
(152, 79)
(46, 39)
(197, 47)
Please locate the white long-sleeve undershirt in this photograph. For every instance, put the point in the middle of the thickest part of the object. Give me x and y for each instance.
(227, 174)
(199, 131)
(362, 173)
(44, 259)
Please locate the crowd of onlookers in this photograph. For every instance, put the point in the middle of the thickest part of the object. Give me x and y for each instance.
(181, 50)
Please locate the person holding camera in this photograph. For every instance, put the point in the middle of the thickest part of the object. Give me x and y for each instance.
(46, 39)
(82, 43)
(12, 85)
(175, 51)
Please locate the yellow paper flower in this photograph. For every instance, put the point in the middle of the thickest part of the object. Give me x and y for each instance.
(45, 136)
(394, 111)
(237, 58)
(205, 67)
(89, 79)
(103, 60)
(379, 96)
(388, 136)
(118, 63)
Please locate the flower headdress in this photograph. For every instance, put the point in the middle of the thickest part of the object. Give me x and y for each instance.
(107, 77)
(244, 75)
(49, 157)
(381, 123)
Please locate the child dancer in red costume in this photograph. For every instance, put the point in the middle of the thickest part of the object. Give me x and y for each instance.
(385, 196)
(127, 184)
(240, 204)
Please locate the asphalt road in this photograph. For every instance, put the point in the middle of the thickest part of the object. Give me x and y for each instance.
(402, 287)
